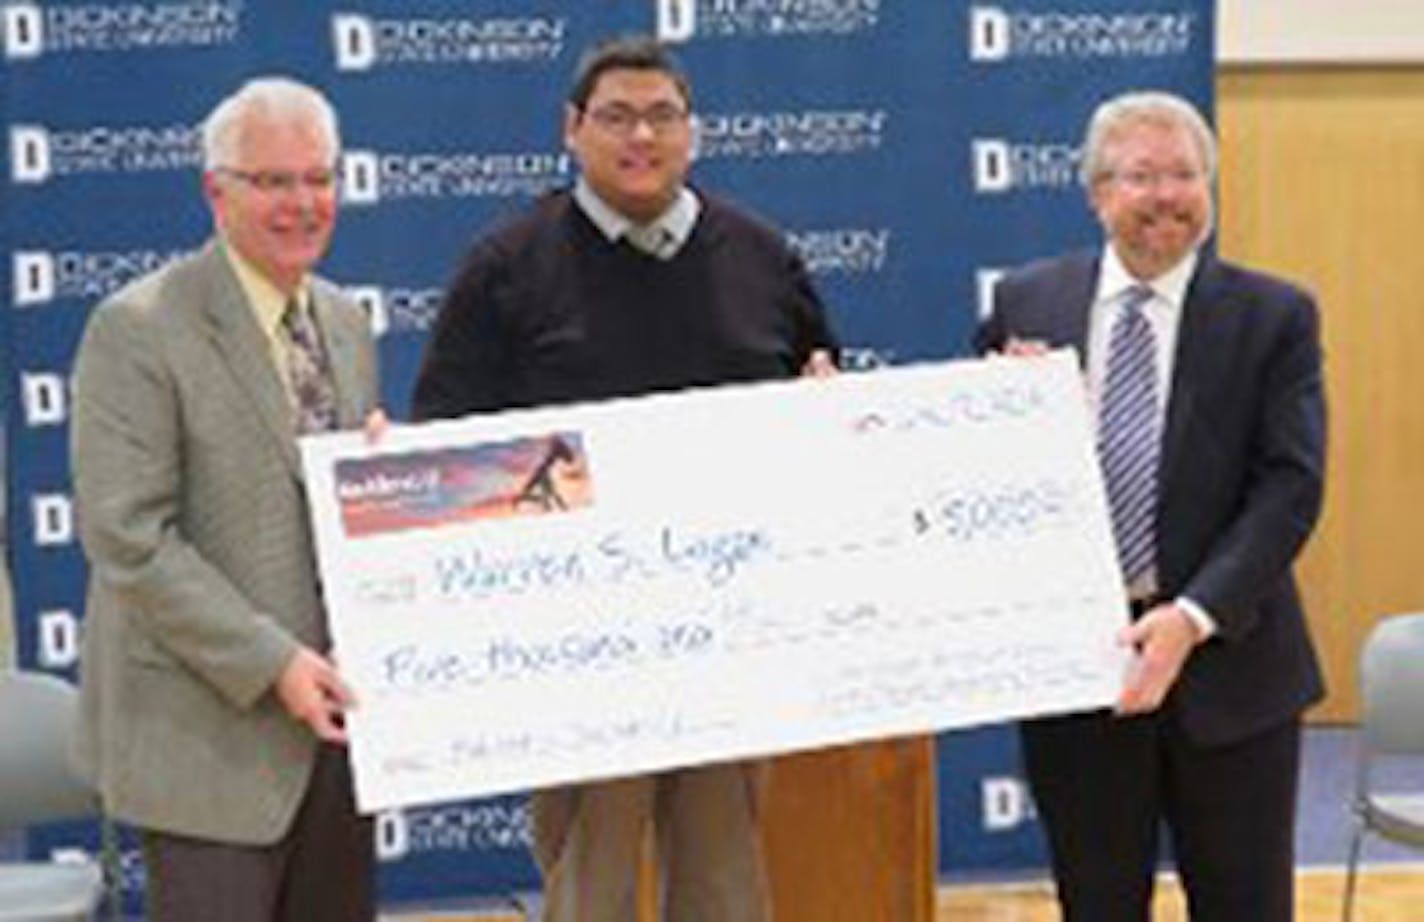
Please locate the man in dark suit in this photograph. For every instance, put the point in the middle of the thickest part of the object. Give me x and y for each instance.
(1206, 381)
(211, 713)
(629, 283)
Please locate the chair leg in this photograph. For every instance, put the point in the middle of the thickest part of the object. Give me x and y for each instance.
(1351, 870)
(111, 861)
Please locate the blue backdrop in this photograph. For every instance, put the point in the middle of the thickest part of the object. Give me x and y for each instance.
(911, 149)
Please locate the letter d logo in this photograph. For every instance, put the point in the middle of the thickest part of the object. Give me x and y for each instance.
(58, 646)
(360, 178)
(24, 31)
(989, 34)
(373, 302)
(392, 835)
(984, 282)
(354, 39)
(29, 154)
(43, 395)
(1006, 803)
(53, 519)
(993, 170)
(31, 278)
(677, 20)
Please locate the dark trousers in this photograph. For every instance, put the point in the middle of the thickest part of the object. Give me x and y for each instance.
(321, 871)
(1104, 786)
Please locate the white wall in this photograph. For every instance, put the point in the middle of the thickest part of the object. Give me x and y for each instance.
(1320, 31)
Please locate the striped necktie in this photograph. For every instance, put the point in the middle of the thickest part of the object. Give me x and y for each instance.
(312, 391)
(1130, 435)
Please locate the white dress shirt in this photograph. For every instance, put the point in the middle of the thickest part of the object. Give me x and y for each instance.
(662, 237)
(1163, 312)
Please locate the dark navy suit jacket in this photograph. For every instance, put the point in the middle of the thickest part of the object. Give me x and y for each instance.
(1241, 474)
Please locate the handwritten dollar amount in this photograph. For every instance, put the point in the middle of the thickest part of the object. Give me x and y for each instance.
(410, 667)
(1010, 511)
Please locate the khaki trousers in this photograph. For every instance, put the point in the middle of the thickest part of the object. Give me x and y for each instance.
(588, 839)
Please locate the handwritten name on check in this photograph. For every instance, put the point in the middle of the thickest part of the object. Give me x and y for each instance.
(548, 596)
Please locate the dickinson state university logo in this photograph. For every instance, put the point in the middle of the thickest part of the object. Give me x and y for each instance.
(362, 42)
(807, 133)
(483, 826)
(32, 29)
(369, 177)
(684, 20)
(40, 276)
(397, 310)
(1004, 166)
(38, 154)
(842, 251)
(997, 33)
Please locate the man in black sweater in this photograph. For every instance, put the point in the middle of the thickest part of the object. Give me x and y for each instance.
(630, 283)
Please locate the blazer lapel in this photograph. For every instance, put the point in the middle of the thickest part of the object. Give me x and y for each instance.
(1188, 366)
(1080, 285)
(239, 341)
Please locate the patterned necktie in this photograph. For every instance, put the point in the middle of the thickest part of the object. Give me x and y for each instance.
(1130, 435)
(313, 393)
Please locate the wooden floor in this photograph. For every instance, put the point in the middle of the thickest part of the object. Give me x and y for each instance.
(1382, 895)
(1385, 894)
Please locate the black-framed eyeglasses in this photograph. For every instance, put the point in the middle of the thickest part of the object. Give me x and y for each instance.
(622, 120)
(283, 181)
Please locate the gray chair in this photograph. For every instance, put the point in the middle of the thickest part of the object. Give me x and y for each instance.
(1391, 737)
(37, 715)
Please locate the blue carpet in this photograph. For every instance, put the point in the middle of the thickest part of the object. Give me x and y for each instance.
(1327, 781)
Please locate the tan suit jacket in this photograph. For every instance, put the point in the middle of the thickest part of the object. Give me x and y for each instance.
(202, 571)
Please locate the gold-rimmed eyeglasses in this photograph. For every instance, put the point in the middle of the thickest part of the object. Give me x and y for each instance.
(1141, 180)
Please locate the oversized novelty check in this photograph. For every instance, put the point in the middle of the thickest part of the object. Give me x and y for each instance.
(548, 596)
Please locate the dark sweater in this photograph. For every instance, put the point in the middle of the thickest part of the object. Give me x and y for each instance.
(546, 310)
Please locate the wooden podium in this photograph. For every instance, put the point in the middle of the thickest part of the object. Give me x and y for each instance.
(850, 835)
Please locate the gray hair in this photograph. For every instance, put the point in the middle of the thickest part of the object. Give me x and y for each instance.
(275, 97)
(1151, 107)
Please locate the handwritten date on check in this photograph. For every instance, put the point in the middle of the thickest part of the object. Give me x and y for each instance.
(549, 596)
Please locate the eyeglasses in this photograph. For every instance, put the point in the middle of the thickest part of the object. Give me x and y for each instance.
(621, 120)
(1140, 180)
(272, 182)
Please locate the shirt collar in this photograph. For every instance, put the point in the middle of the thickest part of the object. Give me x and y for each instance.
(662, 237)
(268, 303)
(1170, 286)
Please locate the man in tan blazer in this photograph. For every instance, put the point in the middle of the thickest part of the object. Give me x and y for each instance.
(211, 705)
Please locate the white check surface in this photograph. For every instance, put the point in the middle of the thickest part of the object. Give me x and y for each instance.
(761, 569)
